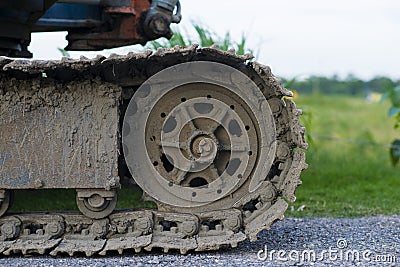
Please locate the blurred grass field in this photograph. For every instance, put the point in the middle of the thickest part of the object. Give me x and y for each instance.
(347, 179)
(344, 179)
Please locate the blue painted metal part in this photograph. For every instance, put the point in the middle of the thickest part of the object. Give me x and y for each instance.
(62, 16)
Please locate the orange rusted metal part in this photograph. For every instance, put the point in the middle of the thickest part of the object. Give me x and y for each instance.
(124, 29)
(121, 10)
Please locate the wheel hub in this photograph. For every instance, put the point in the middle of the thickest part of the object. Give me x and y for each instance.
(96, 201)
(204, 148)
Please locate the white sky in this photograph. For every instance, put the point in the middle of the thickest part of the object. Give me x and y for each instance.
(295, 38)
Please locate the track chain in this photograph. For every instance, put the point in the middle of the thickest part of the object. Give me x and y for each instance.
(71, 233)
(136, 230)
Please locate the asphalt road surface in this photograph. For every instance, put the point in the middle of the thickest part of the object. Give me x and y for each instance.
(371, 241)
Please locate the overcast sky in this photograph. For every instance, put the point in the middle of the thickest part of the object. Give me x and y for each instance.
(295, 38)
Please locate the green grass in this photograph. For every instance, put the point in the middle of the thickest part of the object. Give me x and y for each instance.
(204, 37)
(64, 199)
(343, 179)
(348, 179)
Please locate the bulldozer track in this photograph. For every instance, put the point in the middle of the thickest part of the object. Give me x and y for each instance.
(136, 230)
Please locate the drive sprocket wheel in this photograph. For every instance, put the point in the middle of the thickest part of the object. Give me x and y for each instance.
(204, 140)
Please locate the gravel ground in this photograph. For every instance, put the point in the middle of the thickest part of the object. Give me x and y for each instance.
(334, 242)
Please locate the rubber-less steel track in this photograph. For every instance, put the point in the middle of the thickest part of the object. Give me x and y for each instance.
(70, 233)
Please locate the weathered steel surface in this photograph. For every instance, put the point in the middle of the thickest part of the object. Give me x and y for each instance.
(58, 135)
(75, 107)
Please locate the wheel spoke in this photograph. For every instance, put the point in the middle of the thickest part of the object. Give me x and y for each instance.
(233, 148)
(214, 172)
(178, 145)
(224, 147)
(218, 119)
(180, 171)
(180, 176)
(239, 148)
(186, 117)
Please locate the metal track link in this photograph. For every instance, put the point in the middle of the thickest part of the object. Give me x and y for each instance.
(70, 233)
